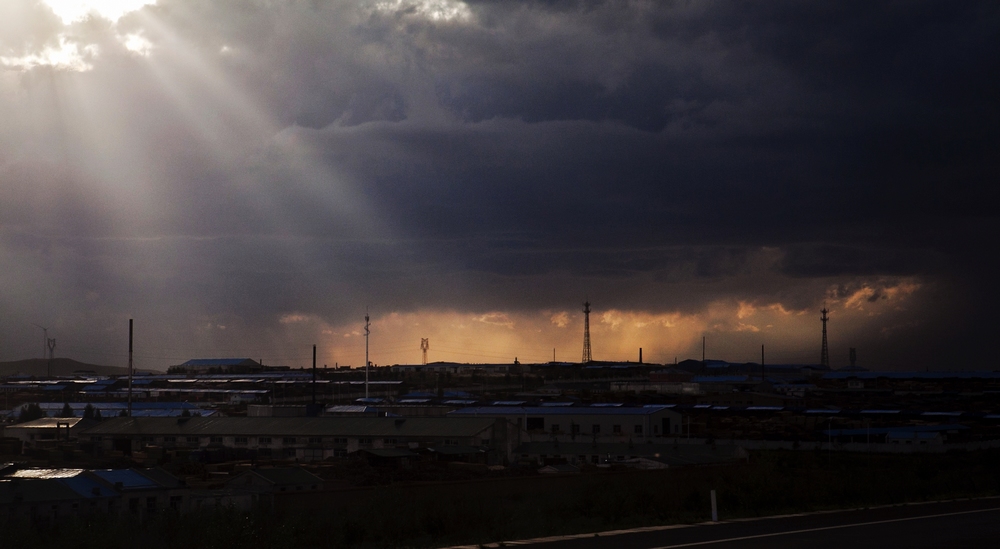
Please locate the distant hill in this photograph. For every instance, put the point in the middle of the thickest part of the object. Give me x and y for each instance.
(60, 367)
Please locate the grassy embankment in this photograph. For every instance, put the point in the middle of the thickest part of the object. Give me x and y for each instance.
(513, 508)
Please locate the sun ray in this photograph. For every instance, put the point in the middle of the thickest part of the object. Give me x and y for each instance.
(76, 10)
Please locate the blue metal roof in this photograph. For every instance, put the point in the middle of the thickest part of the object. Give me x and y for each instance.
(131, 480)
(911, 375)
(87, 487)
(542, 410)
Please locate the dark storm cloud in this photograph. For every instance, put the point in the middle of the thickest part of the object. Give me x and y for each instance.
(310, 157)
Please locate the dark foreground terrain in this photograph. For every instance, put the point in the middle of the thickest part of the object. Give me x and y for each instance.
(510, 508)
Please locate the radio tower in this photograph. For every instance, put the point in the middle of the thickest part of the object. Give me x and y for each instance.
(586, 332)
(824, 354)
(425, 344)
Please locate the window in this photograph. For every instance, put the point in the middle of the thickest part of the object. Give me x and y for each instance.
(288, 440)
(574, 428)
(555, 427)
(389, 441)
(151, 503)
(169, 439)
(264, 441)
(596, 429)
(315, 440)
(339, 452)
(96, 439)
(535, 424)
(340, 441)
(192, 440)
(241, 440)
(638, 429)
(215, 440)
(616, 429)
(364, 440)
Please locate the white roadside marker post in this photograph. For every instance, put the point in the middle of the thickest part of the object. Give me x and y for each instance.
(715, 510)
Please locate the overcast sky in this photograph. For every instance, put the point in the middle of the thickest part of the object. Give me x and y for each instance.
(245, 178)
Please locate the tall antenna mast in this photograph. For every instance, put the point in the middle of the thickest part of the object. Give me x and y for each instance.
(587, 357)
(367, 362)
(130, 367)
(425, 343)
(824, 354)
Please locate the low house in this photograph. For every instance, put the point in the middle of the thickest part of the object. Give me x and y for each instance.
(144, 492)
(41, 500)
(47, 431)
(268, 480)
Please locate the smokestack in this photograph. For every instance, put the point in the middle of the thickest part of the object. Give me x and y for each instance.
(640, 355)
(314, 375)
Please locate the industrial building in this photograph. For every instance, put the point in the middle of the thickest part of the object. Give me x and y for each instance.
(614, 422)
(303, 438)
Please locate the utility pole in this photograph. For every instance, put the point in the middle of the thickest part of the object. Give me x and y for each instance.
(130, 367)
(824, 354)
(367, 362)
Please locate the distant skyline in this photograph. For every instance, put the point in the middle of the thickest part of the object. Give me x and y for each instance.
(246, 179)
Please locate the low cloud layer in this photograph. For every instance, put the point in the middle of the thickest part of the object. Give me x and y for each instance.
(246, 179)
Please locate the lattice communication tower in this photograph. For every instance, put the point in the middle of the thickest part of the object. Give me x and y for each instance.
(587, 357)
(425, 344)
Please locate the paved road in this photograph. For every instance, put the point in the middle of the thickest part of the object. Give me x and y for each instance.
(956, 524)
